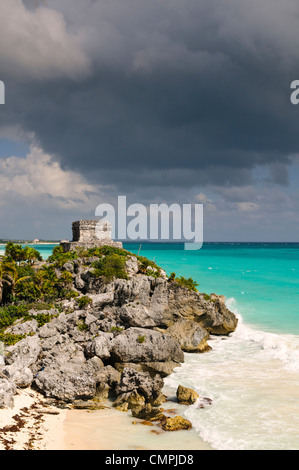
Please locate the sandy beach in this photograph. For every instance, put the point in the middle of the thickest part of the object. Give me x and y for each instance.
(33, 424)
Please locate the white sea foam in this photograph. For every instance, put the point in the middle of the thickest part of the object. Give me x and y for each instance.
(252, 378)
(282, 347)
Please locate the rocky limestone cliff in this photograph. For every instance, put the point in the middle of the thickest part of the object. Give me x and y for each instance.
(131, 333)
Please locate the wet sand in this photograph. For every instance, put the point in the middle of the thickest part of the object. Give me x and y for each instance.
(110, 429)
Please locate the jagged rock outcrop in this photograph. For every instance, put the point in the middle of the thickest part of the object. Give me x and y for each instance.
(143, 345)
(191, 336)
(131, 334)
(137, 389)
(24, 353)
(70, 381)
(19, 375)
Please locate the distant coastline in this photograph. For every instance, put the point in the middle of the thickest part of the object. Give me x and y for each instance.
(31, 242)
(4, 241)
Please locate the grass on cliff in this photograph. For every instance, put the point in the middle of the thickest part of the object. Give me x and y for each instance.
(114, 264)
(110, 267)
(189, 283)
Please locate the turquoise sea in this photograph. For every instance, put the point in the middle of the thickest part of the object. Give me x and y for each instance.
(252, 376)
(262, 278)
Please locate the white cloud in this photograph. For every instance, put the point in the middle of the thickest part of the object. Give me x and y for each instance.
(40, 179)
(202, 198)
(36, 44)
(247, 206)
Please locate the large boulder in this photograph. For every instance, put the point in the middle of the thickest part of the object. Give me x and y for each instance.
(58, 349)
(143, 345)
(219, 319)
(70, 381)
(162, 368)
(136, 315)
(100, 346)
(18, 374)
(141, 382)
(136, 389)
(7, 392)
(186, 396)
(23, 328)
(25, 352)
(138, 288)
(191, 336)
(177, 423)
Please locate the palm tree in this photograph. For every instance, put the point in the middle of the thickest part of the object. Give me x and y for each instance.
(18, 254)
(14, 252)
(31, 254)
(3, 280)
(9, 276)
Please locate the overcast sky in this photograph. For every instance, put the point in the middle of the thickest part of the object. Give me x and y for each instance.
(176, 101)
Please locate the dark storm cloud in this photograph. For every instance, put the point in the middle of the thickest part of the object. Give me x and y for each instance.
(173, 93)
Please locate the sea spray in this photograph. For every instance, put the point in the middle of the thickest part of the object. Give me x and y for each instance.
(252, 378)
(283, 347)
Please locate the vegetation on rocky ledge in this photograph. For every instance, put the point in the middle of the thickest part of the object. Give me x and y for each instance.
(102, 322)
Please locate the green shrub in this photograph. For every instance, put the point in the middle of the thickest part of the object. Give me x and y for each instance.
(82, 326)
(108, 251)
(72, 294)
(141, 339)
(148, 267)
(9, 339)
(11, 313)
(184, 282)
(44, 285)
(40, 305)
(59, 257)
(28, 291)
(110, 267)
(154, 273)
(117, 329)
(84, 301)
(41, 318)
(15, 252)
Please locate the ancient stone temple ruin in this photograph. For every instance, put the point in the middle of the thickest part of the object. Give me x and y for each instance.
(90, 234)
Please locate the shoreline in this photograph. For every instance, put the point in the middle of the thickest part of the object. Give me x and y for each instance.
(34, 424)
(32, 243)
(111, 429)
